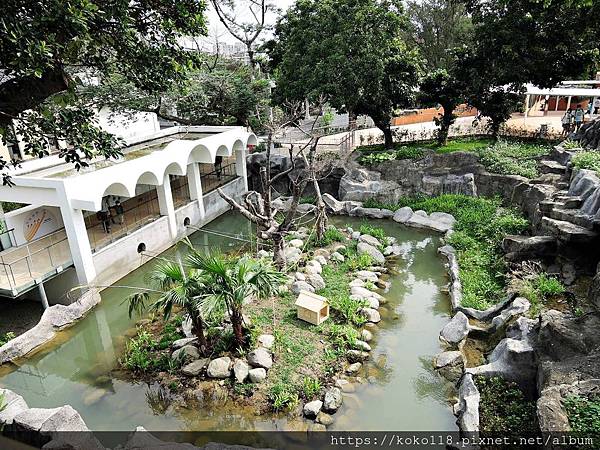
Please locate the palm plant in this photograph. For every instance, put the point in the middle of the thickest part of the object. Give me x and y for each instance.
(227, 282)
(175, 286)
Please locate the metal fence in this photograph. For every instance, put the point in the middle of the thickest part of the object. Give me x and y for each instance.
(219, 176)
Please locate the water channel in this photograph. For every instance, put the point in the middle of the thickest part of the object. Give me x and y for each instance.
(80, 367)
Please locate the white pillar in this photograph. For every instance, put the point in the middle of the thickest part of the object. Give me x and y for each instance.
(165, 203)
(557, 102)
(79, 244)
(240, 166)
(195, 184)
(569, 102)
(43, 295)
(527, 105)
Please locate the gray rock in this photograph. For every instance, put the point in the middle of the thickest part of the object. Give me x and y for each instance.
(333, 400)
(355, 235)
(312, 409)
(373, 213)
(420, 220)
(366, 335)
(364, 248)
(518, 307)
(14, 404)
(353, 368)
(296, 243)
(357, 283)
(372, 315)
(367, 275)
(316, 427)
(179, 343)
(450, 365)
(260, 358)
(403, 214)
(392, 250)
(300, 286)
(334, 206)
(551, 413)
(240, 370)
(345, 386)
(257, 375)
(298, 276)
(354, 356)
(321, 259)
(266, 340)
(324, 419)
(193, 369)
(187, 353)
(316, 281)
(337, 257)
(219, 368)
(361, 345)
(529, 247)
(313, 267)
(368, 239)
(468, 416)
(456, 330)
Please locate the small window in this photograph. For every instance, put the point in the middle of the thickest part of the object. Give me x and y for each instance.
(141, 248)
(186, 222)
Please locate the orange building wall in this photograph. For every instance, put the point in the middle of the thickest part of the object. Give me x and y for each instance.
(427, 115)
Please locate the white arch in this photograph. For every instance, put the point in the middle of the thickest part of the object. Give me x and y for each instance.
(118, 189)
(175, 169)
(149, 178)
(238, 145)
(201, 154)
(252, 139)
(223, 150)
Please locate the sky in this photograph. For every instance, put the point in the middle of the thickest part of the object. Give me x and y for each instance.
(216, 28)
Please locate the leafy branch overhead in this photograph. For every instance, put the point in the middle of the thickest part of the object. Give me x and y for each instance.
(50, 49)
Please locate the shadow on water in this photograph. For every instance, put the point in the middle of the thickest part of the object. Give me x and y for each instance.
(80, 367)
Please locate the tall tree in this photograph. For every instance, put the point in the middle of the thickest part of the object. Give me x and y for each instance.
(437, 26)
(350, 51)
(223, 93)
(445, 88)
(232, 14)
(49, 49)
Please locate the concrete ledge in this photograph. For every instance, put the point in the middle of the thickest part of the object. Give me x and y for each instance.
(54, 319)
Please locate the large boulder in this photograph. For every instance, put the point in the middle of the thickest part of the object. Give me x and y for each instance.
(194, 369)
(518, 307)
(367, 238)
(468, 405)
(366, 249)
(260, 358)
(450, 365)
(187, 354)
(257, 375)
(334, 206)
(333, 400)
(300, 286)
(372, 315)
(529, 247)
(441, 223)
(360, 185)
(219, 368)
(14, 404)
(240, 370)
(403, 214)
(312, 409)
(456, 330)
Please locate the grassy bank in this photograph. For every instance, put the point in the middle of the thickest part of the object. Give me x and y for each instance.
(507, 157)
(481, 226)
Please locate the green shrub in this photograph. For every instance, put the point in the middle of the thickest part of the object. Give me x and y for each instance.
(376, 232)
(587, 160)
(308, 200)
(2, 402)
(282, 396)
(376, 158)
(138, 352)
(571, 145)
(512, 158)
(504, 408)
(410, 153)
(170, 334)
(346, 308)
(311, 387)
(359, 262)
(539, 289)
(342, 336)
(583, 414)
(331, 235)
(7, 337)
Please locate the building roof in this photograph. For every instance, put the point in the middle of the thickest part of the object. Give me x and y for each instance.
(148, 160)
(311, 301)
(563, 91)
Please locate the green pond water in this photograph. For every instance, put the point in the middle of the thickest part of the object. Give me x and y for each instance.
(80, 368)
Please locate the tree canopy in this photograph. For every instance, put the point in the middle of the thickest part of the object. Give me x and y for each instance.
(350, 51)
(49, 49)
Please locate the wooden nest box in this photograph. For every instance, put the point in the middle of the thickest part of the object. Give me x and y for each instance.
(312, 308)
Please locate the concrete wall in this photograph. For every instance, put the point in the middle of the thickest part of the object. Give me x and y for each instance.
(214, 205)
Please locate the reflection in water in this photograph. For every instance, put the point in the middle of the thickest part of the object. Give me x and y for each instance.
(81, 367)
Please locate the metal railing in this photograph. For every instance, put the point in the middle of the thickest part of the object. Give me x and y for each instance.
(22, 265)
(220, 176)
(137, 212)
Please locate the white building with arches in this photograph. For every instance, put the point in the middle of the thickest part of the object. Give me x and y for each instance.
(99, 222)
